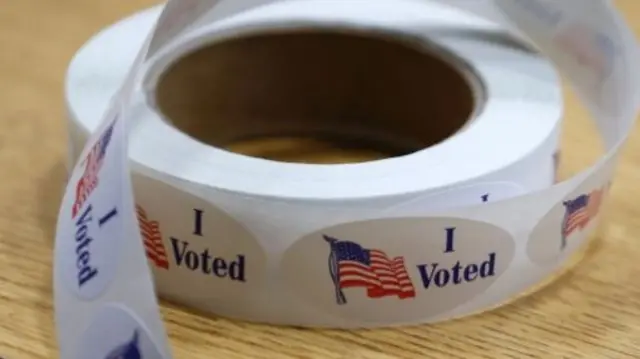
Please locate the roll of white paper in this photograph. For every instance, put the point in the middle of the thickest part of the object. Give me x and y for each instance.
(269, 205)
(410, 239)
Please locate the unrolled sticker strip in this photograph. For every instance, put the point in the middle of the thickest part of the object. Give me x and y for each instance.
(99, 253)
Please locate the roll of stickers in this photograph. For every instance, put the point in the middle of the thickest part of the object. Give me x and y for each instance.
(406, 240)
(521, 164)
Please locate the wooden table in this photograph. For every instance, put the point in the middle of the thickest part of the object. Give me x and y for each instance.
(593, 311)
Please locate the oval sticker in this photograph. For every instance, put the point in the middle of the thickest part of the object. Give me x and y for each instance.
(116, 333)
(397, 270)
(198, 253)
(89, 238)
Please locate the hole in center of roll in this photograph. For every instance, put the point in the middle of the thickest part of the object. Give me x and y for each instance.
(317, 96)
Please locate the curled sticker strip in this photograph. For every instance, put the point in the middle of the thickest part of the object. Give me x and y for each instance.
(99, 243)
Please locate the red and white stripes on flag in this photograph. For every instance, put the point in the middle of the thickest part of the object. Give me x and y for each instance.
(382, 276)
(152, 239)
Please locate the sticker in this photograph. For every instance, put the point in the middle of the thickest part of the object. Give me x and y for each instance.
(116, 333)
(86, 239)
(460, 196)
(565, 227)
(393, 270)
(193, 247)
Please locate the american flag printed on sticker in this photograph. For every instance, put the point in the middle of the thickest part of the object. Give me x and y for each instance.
(353, 266)
(152, 239)
(92, 165)
(580, 211)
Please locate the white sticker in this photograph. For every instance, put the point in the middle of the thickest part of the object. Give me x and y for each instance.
(397, 270)
(90, 251)
(194, 247)
(116, 333)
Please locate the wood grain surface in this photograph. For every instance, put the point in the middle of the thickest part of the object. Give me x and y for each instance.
(592, 311)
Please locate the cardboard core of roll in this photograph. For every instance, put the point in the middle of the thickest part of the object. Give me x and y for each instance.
(267, 92)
